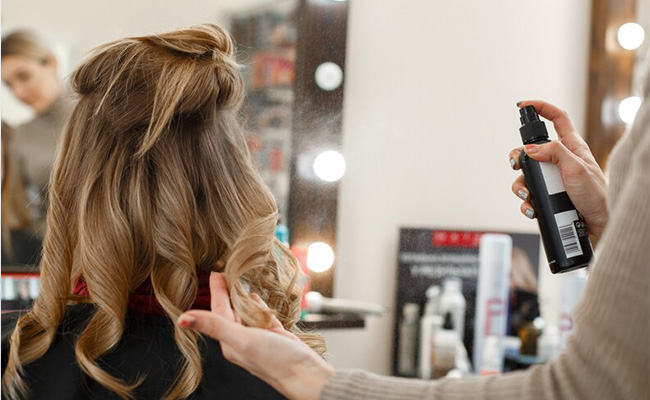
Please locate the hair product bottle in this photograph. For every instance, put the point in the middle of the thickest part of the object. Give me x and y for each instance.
(452, 301)
(430, 323)
(562, 228)
(445, 347)
(492, 299)
(571, 288)
(408, 340)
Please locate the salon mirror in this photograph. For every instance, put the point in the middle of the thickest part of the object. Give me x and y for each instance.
(292, 113)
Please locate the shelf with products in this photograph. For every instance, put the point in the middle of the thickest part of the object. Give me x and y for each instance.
(332, 321)
(20, 286)
(266, 40)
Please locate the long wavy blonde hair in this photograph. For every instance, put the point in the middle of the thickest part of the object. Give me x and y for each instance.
(14, 211)
(153, 180)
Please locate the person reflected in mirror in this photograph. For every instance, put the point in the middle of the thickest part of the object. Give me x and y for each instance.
(31, 71)
(20, 244)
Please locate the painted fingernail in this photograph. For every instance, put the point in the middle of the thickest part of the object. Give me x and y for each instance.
(187, 321)
(530, 213)
(522, 194)
(513, 162)
(532, 148)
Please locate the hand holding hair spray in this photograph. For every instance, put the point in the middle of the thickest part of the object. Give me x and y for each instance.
(563, 229)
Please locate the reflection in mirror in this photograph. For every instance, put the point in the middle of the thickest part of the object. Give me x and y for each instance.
(266, 41)
(30, 71)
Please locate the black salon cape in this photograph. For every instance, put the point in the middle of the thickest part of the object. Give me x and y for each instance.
(147, 348)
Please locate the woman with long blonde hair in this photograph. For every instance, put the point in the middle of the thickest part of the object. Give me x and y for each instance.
(31, 71)
(152, 189)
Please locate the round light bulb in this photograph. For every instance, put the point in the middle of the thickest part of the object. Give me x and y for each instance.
(329, 166)
(320, 257)
(627, 109)
(630, 36)
(328, 76)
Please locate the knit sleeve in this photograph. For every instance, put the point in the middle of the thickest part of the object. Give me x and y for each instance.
(607, 354)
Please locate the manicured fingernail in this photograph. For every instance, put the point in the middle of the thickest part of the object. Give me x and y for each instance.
(187, 321)
(532, 148)
(530, 213)
(513, 162)
(522, 194)
(519, 102)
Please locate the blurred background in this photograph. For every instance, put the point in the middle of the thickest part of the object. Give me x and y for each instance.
(372, 121)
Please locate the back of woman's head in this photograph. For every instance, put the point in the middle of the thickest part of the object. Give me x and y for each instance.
(153, 180)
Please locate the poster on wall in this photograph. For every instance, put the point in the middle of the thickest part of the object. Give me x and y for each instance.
(449, 259)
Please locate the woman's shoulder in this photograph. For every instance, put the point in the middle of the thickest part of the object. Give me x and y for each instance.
(147, 348)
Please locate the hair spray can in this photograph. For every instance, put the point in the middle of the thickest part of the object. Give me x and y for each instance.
(563, 229)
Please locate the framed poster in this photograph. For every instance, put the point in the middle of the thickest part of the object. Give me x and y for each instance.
(428, 257)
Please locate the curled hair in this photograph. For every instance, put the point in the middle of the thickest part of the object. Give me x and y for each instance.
(153, 180)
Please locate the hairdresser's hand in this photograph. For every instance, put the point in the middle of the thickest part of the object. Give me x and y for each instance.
(274, 355)
(583, 179)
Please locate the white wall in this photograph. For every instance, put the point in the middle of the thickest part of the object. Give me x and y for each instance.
(429, 119)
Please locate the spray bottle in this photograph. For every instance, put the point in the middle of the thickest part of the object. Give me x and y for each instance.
(563, 229)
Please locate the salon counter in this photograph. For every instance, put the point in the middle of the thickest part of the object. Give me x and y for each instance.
(332, 321)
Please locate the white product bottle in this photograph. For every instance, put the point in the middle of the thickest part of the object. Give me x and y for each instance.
(9, 288)
(429, 325)
(491, 360)
(432, 306)
(547, 344)
(571, 287)
(495, 254)
(408, 340)
(34, 287)
(452, 301)
(445, 344)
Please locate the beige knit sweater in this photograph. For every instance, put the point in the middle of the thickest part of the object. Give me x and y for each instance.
(608, 353)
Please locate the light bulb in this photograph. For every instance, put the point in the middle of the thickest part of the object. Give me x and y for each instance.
(329, 166)
(627, 109)
(320, 257)
(630, 35)
(328, 76)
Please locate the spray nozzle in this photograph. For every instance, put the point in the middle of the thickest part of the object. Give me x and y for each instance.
(532, 129)
(528, 115)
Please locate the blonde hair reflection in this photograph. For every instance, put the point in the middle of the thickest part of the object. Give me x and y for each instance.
(15, 213)
(154, 180)
(522, 274)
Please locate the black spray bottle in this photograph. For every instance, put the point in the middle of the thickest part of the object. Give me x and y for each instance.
(563, 229)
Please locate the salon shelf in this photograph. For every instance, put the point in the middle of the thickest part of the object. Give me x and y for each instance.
(16, 305)
(20, 269)
(332, 321)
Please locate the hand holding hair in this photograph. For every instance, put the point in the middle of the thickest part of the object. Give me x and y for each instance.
(274, 355)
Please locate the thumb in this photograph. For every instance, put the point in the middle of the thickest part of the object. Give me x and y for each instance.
(554, 152)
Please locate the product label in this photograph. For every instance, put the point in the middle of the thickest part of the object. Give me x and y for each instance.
(566, 225)
(552, 178)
